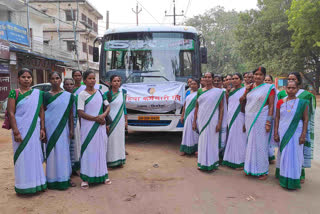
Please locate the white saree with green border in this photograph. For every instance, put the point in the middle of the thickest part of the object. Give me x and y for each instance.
(190, 138)
(116, 154)
(208, 117)
(28, 156)
(256, 113)
(57, 113)
(94, 143)
(235, 151)
(291, 152)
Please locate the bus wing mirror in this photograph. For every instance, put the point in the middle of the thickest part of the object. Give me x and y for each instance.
(96, 54)
(203, 55)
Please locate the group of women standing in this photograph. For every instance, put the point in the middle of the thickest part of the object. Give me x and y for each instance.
(71, 123)
(258, 118)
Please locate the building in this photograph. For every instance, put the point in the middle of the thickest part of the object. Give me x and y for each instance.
(22, 45)
(75, 29)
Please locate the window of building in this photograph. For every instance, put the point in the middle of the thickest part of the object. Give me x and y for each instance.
(89, 22)
(84, 47)
(90, 50)
(95, 27)
(70, 46)
(83, 17)
(69, 15)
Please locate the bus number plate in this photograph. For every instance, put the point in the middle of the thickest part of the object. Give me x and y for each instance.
(148, 117)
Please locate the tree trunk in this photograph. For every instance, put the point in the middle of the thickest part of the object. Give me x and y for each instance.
(317, 71)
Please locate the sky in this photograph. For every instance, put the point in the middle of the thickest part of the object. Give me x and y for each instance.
(153, 11)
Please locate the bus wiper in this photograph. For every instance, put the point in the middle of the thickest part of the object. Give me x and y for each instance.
(149, 71)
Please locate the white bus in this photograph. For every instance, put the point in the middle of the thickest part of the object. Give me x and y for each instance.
(154, 64)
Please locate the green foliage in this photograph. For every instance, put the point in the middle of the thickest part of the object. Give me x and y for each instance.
(264, 38)
(304, 20)
(217, 27)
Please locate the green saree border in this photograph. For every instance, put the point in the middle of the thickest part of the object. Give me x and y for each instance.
(235, 115)
(214, 110)
(116, 163)
(90, 135)
(31, 190)
(289, 183)
(293, 124)
(116, 119)
(90, 98)
(32, 127)
(235, 91)
(54, 97)
(209, 168)
(233, 165)
(256, 174)
(190, 107)
(264, 102)
(189, 149)
(59, 185)
(22, 96)
(92, 180)
(59, 129)
(277, 174)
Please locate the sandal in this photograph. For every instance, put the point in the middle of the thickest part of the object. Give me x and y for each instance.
(72, 184)
(84, 185)
(108, 182)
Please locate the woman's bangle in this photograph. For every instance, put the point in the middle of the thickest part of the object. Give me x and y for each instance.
(269, 119)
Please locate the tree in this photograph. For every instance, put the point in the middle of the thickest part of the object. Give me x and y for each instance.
(304, 21)
(217, 27)
(265, 40)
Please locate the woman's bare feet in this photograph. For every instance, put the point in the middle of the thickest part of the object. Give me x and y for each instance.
(263, 177)
(182, 153)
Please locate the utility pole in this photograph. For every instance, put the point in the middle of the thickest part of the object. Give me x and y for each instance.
(174, 13)
(28, 24)
(107, 20)
(75, 38)
(58, 27)
(137, 11)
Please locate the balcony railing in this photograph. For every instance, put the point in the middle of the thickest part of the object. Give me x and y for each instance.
(51, 51)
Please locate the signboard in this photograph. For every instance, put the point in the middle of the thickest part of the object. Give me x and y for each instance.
(17, 34)
(152, 44)
(4, 68)
(3, 30)
(4, 86)
(155, 98)
(4, 49)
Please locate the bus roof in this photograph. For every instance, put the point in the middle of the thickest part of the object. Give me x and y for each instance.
(186, 29)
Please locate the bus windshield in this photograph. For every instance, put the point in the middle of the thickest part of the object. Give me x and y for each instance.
(150, 57)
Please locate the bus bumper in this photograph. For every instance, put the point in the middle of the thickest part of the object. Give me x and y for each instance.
(166, 123)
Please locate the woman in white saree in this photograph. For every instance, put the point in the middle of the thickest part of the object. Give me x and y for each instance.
(235, 151)
(116, 155)
(258, 121)
(26, 116)
(59, 129)
(189, 144)
(291, 126)
(93, 133)
(208, 116)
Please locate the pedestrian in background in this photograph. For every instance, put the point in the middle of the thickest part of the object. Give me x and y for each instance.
(26, 114)
(291, 126)
(208, 116)
(189, 144)
(59, 129)
(116, 156)
(93, 133)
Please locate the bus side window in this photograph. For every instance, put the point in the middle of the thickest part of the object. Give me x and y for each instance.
(186, 64)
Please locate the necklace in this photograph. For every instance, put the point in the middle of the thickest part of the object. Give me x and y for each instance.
(289, 110)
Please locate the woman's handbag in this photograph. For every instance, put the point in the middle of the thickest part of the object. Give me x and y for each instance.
(107, 118)
(6, 123)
